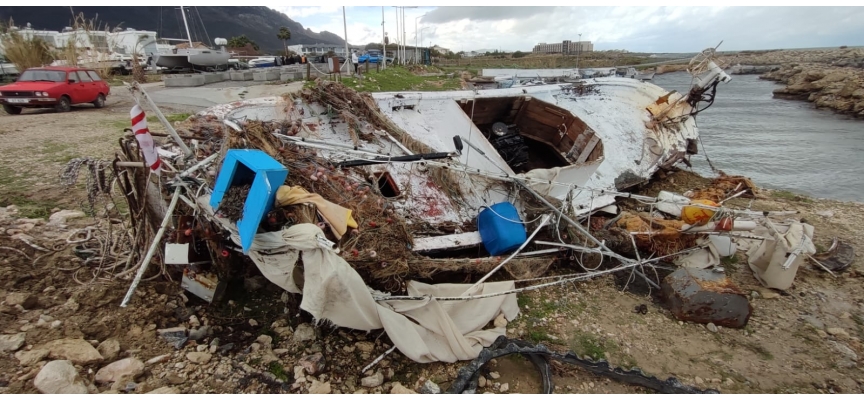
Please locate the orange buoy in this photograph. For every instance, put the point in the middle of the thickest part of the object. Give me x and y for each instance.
(695, 215)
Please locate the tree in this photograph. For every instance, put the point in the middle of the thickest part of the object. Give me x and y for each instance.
(519, 54)
(284, 35)
(242, 41)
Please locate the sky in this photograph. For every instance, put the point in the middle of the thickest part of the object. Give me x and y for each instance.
(669, 29)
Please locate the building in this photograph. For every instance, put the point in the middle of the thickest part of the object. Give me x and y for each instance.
(321, 49)
(565, 47)
(441, 50)
(129, 41)
(124, 42)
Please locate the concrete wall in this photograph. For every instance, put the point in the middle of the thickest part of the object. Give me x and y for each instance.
(184, 80)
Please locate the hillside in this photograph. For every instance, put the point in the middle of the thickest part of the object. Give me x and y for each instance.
(258, 23)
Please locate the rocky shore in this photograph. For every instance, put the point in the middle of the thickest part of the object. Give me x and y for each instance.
(832, 79)
(840, 89)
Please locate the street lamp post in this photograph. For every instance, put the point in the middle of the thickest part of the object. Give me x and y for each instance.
(347, 54)
(383, 42)
(417, 42)
(398, 41)
(421, 36)
(578, 51)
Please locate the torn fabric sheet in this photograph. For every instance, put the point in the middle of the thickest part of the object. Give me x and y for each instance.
(338, 217)
(424, 331)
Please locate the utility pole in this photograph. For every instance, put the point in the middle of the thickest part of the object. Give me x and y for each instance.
(383, 41)
(578, 52)
(418, 41)
(347, 54)
(398, 41)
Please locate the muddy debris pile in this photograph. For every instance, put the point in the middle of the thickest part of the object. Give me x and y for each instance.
(257, 258)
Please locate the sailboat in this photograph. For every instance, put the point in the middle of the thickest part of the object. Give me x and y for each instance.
(192, 57)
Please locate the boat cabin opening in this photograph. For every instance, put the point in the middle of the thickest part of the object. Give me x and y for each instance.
(529, 133)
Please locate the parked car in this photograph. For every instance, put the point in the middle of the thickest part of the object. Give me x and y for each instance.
(373, 56)
(54, 87)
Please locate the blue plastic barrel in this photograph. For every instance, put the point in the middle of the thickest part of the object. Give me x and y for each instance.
(500, 228)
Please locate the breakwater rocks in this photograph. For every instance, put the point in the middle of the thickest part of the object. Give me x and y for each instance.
(752, 69)
(840, 89)
(829, 78)
(852, 58)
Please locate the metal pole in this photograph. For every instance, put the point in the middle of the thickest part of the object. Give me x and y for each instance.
(153, 246)
(578, 51)
(347, 53)
(416, 56)
(170, 128)
(398, 56)
(404, 36)
(581, 229)
(187, 26)
(383, 42)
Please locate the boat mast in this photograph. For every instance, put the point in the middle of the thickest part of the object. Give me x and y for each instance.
(187, 26)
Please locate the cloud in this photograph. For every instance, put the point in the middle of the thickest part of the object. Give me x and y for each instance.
(296, 13)
(638, 29)
(451, 14)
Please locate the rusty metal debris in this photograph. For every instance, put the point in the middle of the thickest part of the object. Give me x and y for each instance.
(705, 296)
(837, 258)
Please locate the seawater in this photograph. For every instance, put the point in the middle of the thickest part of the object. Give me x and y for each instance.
(779, 144)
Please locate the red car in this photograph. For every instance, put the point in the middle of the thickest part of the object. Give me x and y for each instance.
(54, 87)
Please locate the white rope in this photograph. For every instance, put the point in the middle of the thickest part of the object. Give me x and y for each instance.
(513, 291)
(494, 270)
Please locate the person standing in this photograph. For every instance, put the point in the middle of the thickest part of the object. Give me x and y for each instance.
(356, 61)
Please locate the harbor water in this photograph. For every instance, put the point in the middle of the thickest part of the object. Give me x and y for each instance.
(779, 144)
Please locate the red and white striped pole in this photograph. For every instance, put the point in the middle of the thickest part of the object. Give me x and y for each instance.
(145, 140)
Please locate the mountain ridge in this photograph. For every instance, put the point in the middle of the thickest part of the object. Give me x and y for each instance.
(258, 23)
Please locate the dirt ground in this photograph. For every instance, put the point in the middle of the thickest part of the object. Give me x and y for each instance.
(798, 341)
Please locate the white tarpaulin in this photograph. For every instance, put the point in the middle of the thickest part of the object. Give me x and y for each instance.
(767, 258)
(424, 331)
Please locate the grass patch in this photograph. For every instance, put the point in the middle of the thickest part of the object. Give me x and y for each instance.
(730, 262)
(7, 176)
(762, 352)
(534, 310)
(56, 152)
(790, 196)
(27, 207)
(586, 344)
(395, 79)
(278, 370)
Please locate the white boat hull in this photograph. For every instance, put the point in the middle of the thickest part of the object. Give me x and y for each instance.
(190, 59)
(616, 148)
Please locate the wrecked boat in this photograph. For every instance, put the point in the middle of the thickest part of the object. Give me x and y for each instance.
(581, 144)
(357, 200)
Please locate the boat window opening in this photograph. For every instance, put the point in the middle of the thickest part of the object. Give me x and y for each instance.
(387, 185)
(406, 106)
(529, 133)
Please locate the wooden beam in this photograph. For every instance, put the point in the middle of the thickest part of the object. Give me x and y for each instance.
(588, 149)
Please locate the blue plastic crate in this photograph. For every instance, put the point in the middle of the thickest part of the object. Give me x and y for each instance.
(499, 228)
(266, 175)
